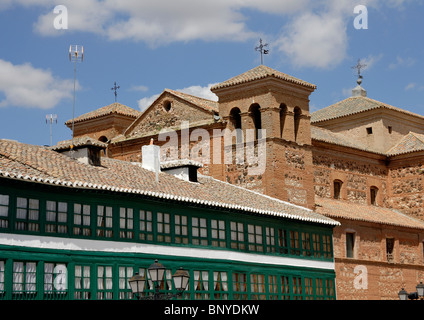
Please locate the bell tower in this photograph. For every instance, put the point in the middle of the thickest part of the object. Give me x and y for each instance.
(272, 107)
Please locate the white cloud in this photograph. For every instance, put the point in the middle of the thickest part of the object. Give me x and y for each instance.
(138, 88)
(315, 35)
(26, 86)
(414, 86)
(371, 60)
(198, 91)
(144, 103)
(315, 40)
(402, 62)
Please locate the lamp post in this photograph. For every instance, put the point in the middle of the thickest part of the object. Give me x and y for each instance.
(156, 272)
(419, 294)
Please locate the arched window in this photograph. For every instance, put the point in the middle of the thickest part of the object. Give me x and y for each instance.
(337, 186)
(283, 112)
(373, 195)
(297, 114)
(103, 139)
(235, 119)
(256, 117)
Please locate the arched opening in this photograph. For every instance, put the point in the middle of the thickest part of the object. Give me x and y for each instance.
(283, 113)
(167, 106)
(256, 117)
(297, 115)
(337, 188)
(104, 139)
(235, 119)
(373, 195)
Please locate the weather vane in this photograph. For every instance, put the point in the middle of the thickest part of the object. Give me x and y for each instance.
(358, 67)
(115, 88)
(261, 49)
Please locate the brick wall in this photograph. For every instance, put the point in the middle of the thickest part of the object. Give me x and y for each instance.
(371, 274)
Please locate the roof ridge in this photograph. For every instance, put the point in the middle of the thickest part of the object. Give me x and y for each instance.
(336, 112)
(105, 110)
(188, 94)
(260, 72)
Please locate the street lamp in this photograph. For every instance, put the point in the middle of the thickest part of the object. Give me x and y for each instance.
(419, 294)
(156, 272)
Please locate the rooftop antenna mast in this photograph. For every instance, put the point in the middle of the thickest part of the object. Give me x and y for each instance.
(76, 54)
(51, 118)
(115, 88)
(261, 49)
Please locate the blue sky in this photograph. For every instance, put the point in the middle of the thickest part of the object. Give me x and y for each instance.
(188, 45)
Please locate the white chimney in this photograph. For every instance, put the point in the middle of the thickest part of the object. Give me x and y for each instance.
(151, 158)
(182, 169)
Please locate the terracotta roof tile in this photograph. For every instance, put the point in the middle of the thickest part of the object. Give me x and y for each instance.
(115, 107)
(359, 212)
(259, 73)
(79, 142)
(352, 106)
(410, 143)
(39, 164)
(325, 135)
(207, 104)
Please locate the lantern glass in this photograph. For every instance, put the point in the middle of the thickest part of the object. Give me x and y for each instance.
(420, 289)
(137, 283)
(403, 295)
(156, 271)
(181, 278)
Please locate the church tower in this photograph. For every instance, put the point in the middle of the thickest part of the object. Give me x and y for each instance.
(274, 108)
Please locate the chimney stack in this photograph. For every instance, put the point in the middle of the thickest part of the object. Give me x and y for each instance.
(151, 158)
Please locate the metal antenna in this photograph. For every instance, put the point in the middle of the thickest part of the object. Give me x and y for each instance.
(115, 88)
(51, 118)
(76, 53)
(261, 49)
(358, 67)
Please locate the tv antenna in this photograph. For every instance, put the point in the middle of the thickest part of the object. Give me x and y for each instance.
(50, 119)
(76, 54)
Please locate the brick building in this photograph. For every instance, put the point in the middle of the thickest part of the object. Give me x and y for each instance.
(359, 161)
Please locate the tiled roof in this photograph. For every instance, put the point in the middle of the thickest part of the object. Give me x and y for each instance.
(352, 106)
(78, 142)
(261, 72)
(338, 209)
(39, 164)
(325, 135)
(115, 107)
(410, 143)
(207, 104)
